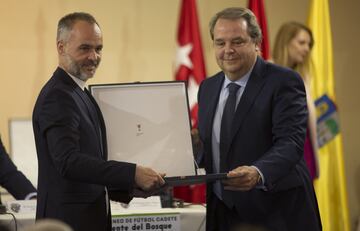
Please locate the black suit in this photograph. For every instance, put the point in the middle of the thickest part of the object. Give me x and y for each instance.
(71, 147)
(268, 132)
(11, 178)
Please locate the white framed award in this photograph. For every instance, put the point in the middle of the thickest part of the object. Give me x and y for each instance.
(148, 124)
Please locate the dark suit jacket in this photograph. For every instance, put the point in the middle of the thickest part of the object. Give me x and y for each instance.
(11, 178)
(71, 146)
(268, 132)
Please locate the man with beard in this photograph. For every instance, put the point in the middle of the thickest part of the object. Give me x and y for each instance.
(75, 179)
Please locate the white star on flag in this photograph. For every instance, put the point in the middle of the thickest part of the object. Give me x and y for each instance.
(182, 56)
(193, 88)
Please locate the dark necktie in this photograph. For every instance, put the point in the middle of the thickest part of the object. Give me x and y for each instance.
(228, 114)
(225, 135)
(90, 104)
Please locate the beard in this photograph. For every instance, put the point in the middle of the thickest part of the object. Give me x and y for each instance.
(78, 68)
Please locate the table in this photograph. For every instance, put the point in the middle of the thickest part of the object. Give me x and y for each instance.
(192, 217)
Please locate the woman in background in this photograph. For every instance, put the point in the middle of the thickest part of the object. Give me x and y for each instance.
(292, 48)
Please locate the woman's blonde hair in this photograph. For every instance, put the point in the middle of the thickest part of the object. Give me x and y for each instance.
(281, 53)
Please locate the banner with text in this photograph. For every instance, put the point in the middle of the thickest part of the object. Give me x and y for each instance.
(147, 222)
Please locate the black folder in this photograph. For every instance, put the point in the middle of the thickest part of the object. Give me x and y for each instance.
(194, 179)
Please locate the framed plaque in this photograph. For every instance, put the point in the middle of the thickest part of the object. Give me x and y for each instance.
(148, 124)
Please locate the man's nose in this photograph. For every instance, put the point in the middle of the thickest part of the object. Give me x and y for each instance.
(228, 48)
(94, 55)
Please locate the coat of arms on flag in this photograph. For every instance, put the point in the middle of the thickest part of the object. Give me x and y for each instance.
(328, 120)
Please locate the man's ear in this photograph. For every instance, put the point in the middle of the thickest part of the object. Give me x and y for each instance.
(60, 47)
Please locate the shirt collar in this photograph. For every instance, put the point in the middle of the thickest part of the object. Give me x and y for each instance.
(79, 82)
(242, 81)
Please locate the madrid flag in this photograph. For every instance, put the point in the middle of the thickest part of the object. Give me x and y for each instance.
(258, 8)
(190, 67)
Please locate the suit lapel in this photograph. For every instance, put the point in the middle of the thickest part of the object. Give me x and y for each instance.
(101, 124)
(253, 87)
(78, 94)
(93, 115)
(85, 102)
(85, 99)
(213, 103)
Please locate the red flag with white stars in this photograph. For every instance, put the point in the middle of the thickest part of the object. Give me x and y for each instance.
(258, 8)
(190, 67)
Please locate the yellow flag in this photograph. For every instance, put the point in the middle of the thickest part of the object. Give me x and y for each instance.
(330, 187)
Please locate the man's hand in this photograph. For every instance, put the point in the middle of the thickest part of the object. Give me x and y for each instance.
(195, 136)
(147, 179)
(242, 178)
(137, 192)
(197, 144)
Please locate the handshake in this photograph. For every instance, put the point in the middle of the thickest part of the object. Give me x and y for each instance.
(148, 182)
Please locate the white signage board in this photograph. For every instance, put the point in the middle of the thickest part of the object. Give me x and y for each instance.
(155, 222)
(148, 124)
(22, 148)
